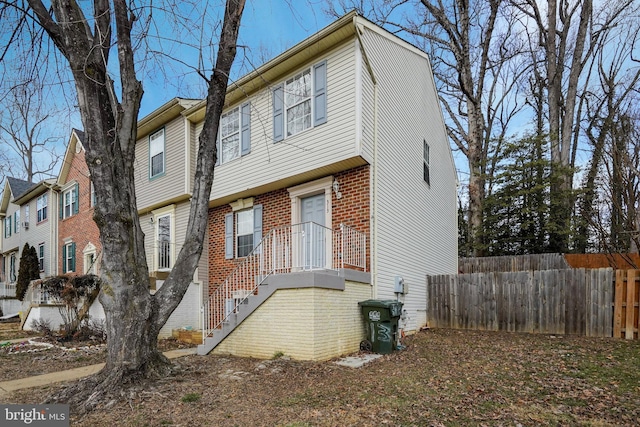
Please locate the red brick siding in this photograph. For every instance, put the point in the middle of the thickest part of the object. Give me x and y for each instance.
(80, 228)
(352, 209)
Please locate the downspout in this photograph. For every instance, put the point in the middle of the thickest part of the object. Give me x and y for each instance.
(374, 194)
(53, 229)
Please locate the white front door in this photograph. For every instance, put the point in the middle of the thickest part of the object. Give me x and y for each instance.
(314, 233)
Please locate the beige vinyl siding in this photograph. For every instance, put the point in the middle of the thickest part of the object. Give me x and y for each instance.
(311, 149)
(417, 227)
(172, 183)
(15, 239)
(42, 233)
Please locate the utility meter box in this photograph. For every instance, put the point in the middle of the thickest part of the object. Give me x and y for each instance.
(399, 287)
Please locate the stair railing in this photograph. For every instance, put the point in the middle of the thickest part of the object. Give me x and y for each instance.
(299, 247)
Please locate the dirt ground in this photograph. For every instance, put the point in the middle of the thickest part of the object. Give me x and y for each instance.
(442, 378)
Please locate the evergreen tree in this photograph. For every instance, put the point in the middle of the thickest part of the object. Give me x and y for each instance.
(29, 270)
(518, 207)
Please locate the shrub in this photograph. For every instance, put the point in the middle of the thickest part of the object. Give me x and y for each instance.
(42, 326)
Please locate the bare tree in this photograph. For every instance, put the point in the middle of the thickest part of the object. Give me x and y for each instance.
(475, 58)
(86, 35)
(30, 148)
(609, 128)
(568, 33)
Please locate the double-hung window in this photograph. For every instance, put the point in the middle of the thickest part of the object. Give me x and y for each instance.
(300, 102)
(16, 221)
(69, 257)
(234, 136)
(156, 153)
(70, 202)
(230, 135)
(93, 195)
(41, 256)
(41, 206)
(297, 102)
(7, 227)
(27, 216)
(243, 232)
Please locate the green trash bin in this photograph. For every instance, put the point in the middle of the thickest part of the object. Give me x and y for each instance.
(381, 321)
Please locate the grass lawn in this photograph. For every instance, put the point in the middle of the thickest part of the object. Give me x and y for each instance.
(443, 378)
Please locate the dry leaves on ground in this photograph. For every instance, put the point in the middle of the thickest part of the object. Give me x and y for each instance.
(444, 377)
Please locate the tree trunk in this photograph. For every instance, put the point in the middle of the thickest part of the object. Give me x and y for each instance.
(134, 317)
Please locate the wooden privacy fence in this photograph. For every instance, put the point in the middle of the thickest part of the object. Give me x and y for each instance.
(566, 301)
(626, 304)
(551, 261)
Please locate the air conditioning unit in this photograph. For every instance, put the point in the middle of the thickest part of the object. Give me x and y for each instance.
(25, 225)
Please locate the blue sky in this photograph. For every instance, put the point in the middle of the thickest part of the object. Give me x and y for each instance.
(269, 27)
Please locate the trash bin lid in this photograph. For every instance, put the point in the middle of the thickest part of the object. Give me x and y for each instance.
(394, 307)
(379, 303)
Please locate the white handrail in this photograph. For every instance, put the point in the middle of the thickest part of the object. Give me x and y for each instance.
(299, 247)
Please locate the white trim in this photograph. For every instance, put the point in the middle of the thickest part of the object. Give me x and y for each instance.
(312, 188)
(358, 95)
(88, 250)
(323, 185)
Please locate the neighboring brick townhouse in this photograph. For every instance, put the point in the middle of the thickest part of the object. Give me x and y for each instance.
(78, 235)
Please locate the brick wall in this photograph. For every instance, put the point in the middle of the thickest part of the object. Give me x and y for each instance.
(352, 209)
(80, 228)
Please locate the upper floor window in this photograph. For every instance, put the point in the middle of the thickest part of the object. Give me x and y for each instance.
(297, 102)
(41, 256)
(156, 153)
(230, 135)
(7, 227)
(93, 195)
(300, 102)
(234, 137)
(27, 216)
(16, 221)
(69, 202)
(41, 206)
(425, 162)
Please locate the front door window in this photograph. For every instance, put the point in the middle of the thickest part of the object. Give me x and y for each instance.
(164, 242)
